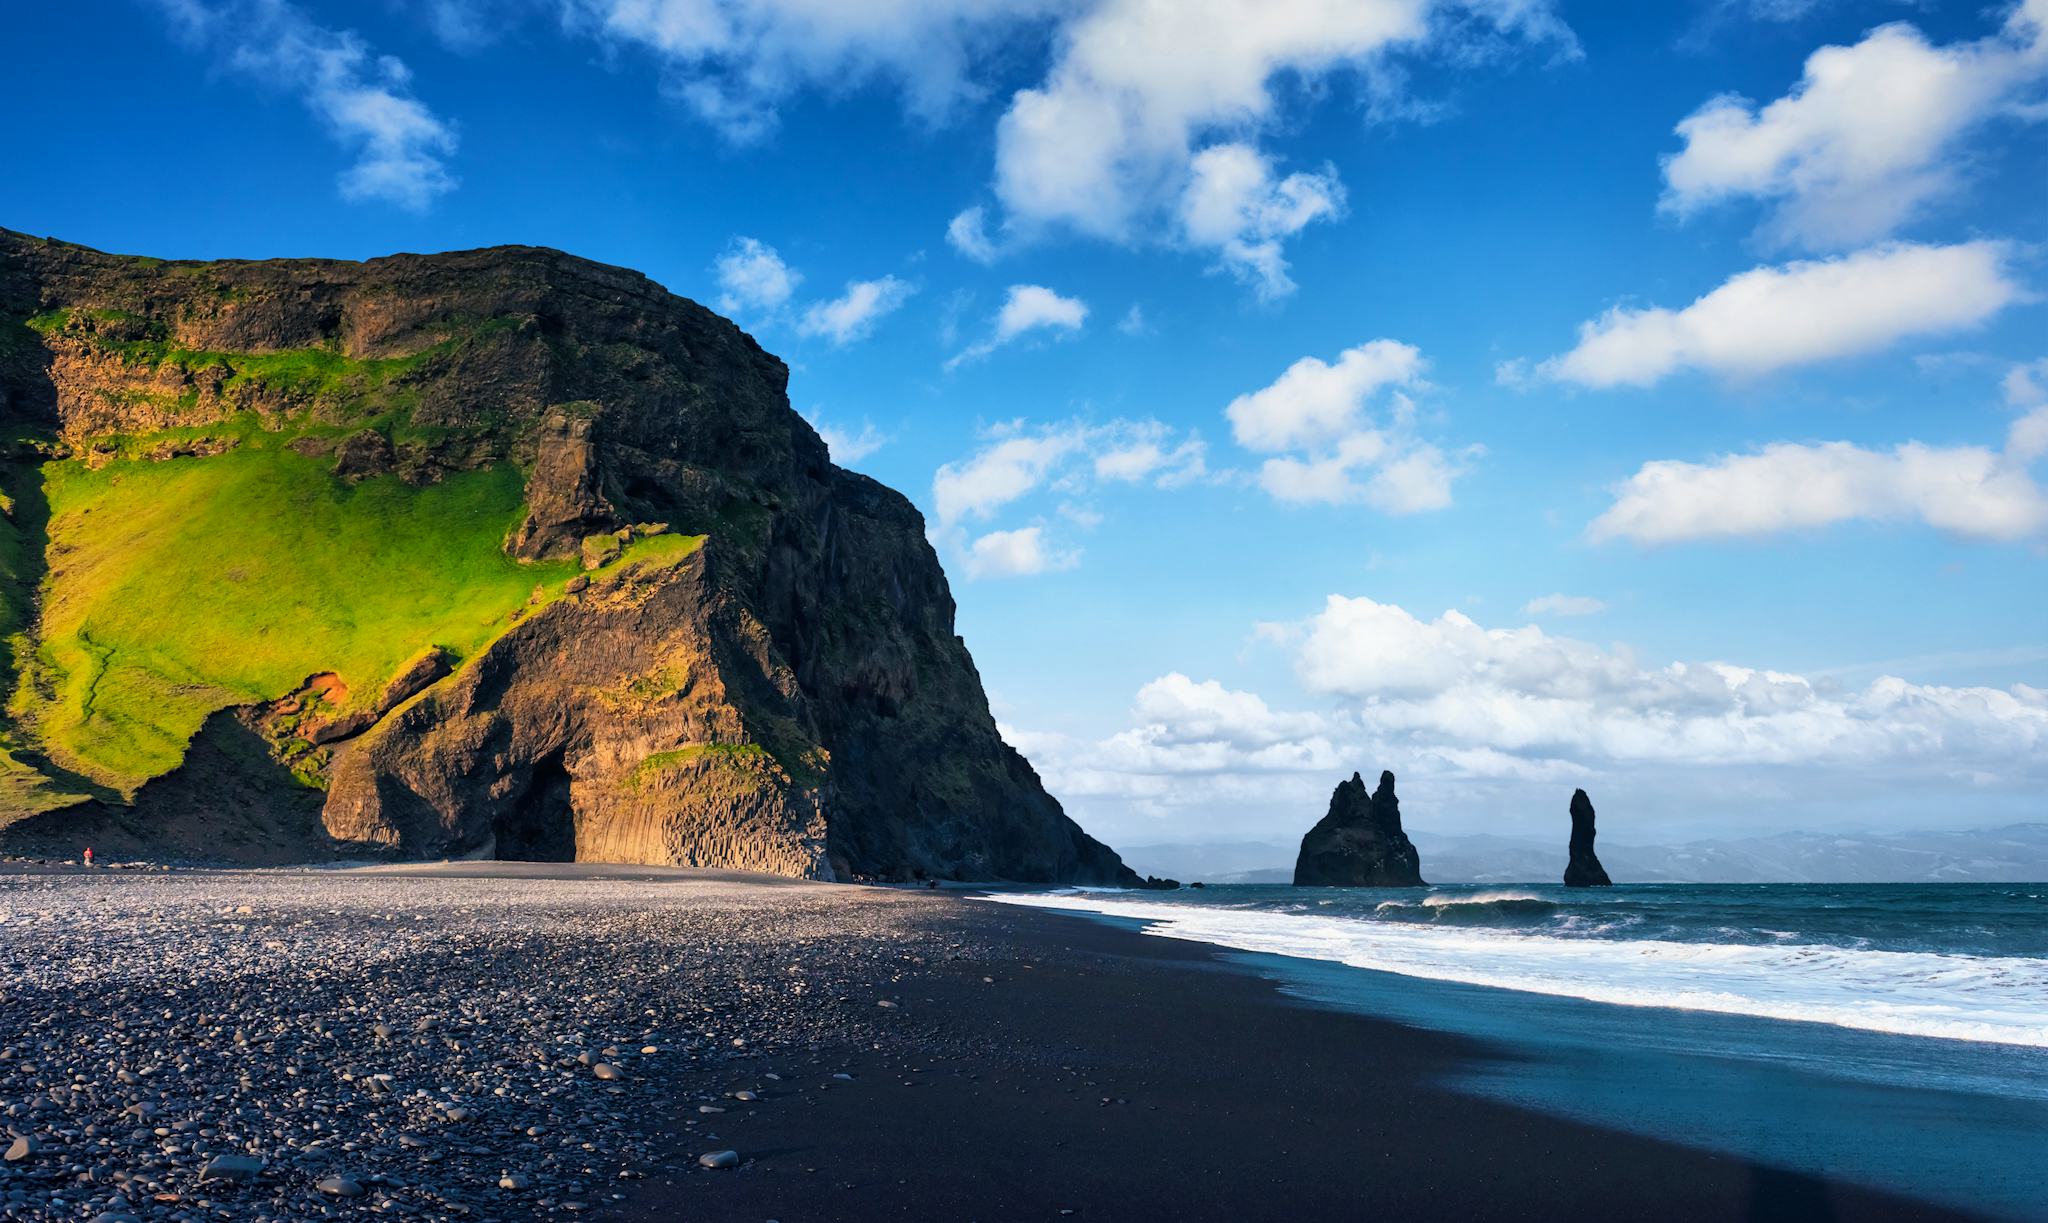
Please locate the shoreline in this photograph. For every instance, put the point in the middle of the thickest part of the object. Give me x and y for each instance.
(1123, 1076)
(430, 1036)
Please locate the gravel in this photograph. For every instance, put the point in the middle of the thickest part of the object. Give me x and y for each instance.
(310, 1044)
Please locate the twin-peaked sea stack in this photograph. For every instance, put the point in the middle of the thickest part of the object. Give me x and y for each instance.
(494, 553)
(1360, 842)
(1584, 869)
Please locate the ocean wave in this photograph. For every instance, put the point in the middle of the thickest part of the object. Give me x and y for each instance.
(1997, 999)
(1477, 908)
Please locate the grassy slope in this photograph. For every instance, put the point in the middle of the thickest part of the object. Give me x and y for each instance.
(182, 587)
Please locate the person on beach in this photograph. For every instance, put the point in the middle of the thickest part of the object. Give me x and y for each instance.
(88, 855)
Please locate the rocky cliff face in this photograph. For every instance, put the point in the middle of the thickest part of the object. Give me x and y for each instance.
(1584, 869)
(496, 552)
(1360, 842)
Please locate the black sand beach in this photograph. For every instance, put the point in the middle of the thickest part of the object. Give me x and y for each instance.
(513, 1041)
(1108, 1075)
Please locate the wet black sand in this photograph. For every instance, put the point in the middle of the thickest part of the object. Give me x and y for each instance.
(1107, 1075)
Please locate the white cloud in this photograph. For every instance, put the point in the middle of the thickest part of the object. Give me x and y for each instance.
(1155, 145)
(1148, 450)
(1030, 307)
(1318, 411)
(1563, 605)
(1020, 553)
(1016, 461)
(1867, 138)
(1001, 472)
(968, 234)
(1487, 724)
(1113, 141)
(1027, 308)
(753, 278)
(848, 448)
(1233, 205)
(1771, 318)
(1071, 459)
(1314, 402)
(365, 99)
(853, 314)
(1972, 491)
(1524, 692)
(734, 62)
(1965, 490)
(2027, 439)
(1134, 322)
(2026, 384)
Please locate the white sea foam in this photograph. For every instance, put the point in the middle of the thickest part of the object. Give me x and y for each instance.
(1999, 999)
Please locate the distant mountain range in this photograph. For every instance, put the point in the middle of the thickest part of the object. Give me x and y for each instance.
(2015, 853)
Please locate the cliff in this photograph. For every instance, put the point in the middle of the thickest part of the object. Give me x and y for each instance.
(1359, 843)
(499, 552)
(1584, 869)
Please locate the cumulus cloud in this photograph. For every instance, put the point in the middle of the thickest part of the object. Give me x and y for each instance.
(1235, 206)
(1159, 146)
(1026, 308)
(1526, 692)
(1772, 318)
(735, 62)
(1070, 459)
(1017, 460)
(1315, 402)
(1505, 720)
(1971, 491)
(752, 278)
(366, 100)
(1563, 605)
(1867, 138)
(853, 314)
(1318, 411)
(968, 234)
(2026, 388)
(1112, 142)
(1148, 450)
(1023, 552)
(1013, 464)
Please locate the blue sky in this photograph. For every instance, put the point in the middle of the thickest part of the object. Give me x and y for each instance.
(1514, 395)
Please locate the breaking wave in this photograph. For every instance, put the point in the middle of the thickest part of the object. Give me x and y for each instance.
(1994, 998)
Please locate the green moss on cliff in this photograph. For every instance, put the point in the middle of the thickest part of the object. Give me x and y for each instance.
(178, 588)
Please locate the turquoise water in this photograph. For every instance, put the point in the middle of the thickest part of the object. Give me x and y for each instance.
(1891, 1035)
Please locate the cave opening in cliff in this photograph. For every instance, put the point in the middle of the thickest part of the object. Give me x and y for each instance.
(540, 825)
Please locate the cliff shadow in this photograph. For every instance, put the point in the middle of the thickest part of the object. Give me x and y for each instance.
(230, 801)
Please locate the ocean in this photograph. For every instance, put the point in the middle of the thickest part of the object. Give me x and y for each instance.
(1892, 1034)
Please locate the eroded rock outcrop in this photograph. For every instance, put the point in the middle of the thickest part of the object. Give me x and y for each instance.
(1584, 869)
(1359, 843)
(790, 696)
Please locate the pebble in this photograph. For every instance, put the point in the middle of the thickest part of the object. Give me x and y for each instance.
(720, 1159)
(232, 1168)
(422, 1031)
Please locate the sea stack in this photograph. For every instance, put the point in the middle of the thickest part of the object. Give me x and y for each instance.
(1360, 842)
(1584, 870)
